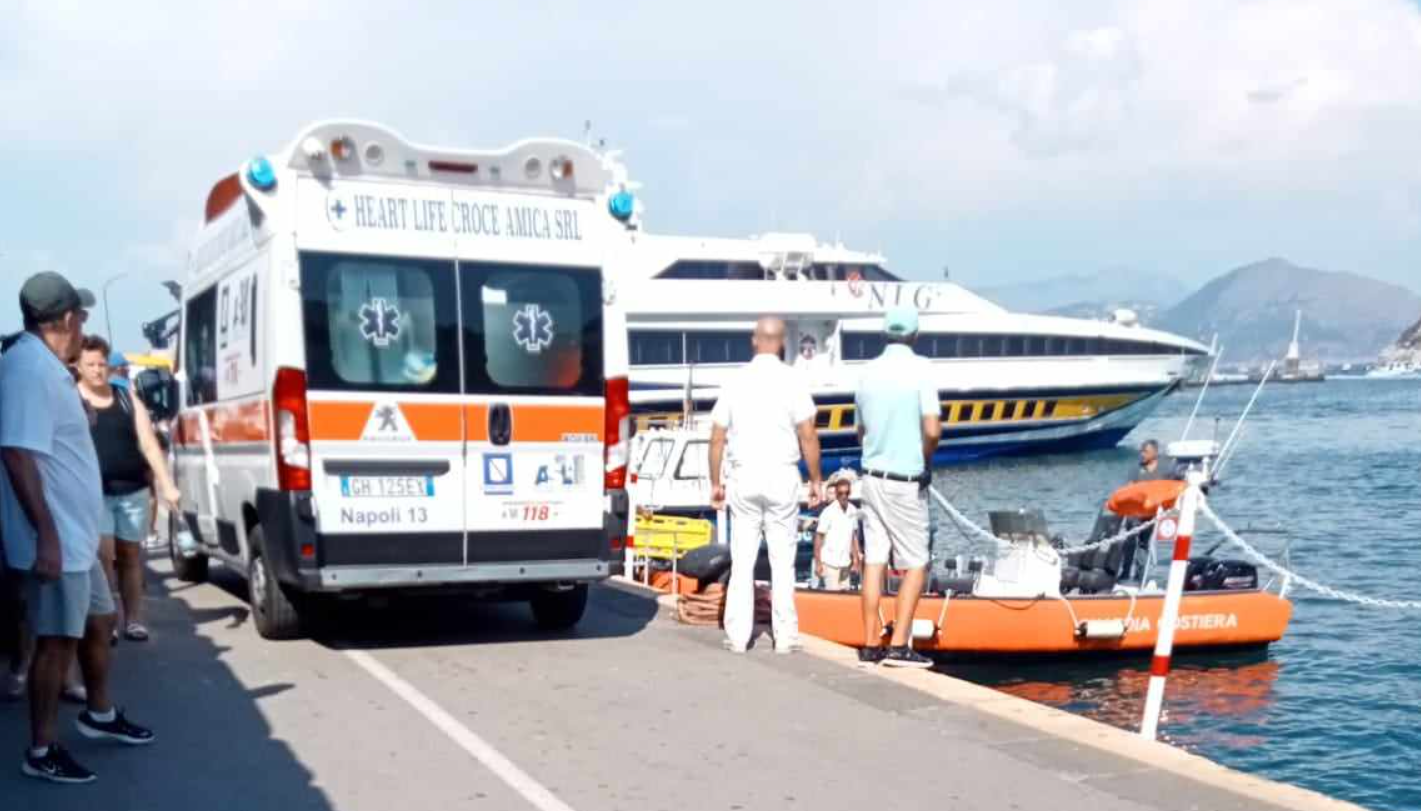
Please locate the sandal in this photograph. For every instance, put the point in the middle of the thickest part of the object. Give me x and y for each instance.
(135, 632)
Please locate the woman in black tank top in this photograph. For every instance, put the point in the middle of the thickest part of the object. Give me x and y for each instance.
(129, 460)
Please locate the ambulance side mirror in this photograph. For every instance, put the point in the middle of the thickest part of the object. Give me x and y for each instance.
(159, 392)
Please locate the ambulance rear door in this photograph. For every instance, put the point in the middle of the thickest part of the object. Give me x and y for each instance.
(530, 283)
(380, 313)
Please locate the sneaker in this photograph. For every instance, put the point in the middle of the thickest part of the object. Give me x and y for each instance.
(873, 655)
(788, 647)
(75, 694)
(56, 766)
(733, 647)
(119, 729)
(905, 657)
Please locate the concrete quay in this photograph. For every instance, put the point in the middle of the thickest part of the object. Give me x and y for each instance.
(440, 705)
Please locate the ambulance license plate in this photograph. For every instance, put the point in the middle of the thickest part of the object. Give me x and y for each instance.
(387, 486)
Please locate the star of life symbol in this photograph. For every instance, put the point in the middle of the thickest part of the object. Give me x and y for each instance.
(379, 322)
(533, 328)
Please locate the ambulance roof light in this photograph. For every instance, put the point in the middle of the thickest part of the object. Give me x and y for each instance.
(313, 149)
(260, 174)
(458, 167)
(342, 148)
(560, 168)
(621, 205)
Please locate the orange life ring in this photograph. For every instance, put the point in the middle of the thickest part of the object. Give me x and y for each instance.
(1144, 499)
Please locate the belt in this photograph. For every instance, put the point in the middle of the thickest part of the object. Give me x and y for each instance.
(892, 477)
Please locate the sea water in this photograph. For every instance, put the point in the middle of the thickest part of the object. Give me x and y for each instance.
(1331, 471)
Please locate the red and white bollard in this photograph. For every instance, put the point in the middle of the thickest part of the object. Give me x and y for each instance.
(1174, 593)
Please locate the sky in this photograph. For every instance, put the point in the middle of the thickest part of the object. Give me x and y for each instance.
(1010, 141)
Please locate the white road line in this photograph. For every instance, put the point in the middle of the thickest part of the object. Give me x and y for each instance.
(503, 768)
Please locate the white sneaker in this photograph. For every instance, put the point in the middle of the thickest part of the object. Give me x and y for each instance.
(788, 647)
(733, 647)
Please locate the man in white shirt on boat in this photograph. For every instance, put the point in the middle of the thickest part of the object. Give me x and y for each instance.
(899, 427)
(836, 540)
(765, 420)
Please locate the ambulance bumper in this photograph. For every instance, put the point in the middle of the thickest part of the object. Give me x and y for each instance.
(343, 578)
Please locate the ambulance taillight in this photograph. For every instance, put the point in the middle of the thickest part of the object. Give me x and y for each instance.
(293, 431)
(618, 428)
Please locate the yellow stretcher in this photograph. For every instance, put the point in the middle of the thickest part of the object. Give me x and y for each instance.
(668, 537)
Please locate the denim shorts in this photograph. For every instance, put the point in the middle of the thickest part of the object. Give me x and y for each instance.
(62, 608)
(126, 517)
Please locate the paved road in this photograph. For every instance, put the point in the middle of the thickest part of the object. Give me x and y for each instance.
(445, 705)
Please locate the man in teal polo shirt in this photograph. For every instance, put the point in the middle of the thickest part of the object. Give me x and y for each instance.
(899, 428)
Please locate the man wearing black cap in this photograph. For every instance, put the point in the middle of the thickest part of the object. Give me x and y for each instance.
(50, 500)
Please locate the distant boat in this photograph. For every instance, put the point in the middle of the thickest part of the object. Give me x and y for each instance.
(1397, 369)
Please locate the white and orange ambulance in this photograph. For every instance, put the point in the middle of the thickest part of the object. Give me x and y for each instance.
(400, 368)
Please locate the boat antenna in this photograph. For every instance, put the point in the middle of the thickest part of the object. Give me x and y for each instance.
(1205, 390)
(1231, 444)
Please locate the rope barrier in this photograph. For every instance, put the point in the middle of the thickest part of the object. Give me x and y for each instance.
(968, 528)
(1293, 577)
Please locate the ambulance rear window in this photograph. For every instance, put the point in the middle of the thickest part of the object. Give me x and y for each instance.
(380, 324)
(531, 329)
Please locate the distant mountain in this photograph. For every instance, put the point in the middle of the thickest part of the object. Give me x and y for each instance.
(1407, 347)
(1098, 293)
(1146, 311)
(1346, 317)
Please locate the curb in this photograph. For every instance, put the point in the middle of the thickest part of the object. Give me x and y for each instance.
(1065, 726)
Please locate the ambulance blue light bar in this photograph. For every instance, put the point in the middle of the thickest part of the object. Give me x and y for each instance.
(260, 174)
(621, 205)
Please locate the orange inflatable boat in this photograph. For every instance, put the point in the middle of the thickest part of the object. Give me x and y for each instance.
(1058, 625)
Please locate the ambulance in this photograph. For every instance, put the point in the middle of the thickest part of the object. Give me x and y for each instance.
(401, 369)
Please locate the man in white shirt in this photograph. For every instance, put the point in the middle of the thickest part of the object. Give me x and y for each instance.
(836, 540)
(50, 498)
(765, 417)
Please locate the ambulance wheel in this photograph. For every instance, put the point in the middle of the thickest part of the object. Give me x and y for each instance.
(273, 610)
(187, 568)
(559, 609)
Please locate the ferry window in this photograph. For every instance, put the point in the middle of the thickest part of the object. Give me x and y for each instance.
(874, 273)
(199, 357)
(653, 461)
(653, 348)
(945, 346)
(703, 269)
(695, 461)
(862, 345)
(969, 346)
(532, 329)
(991, 346)
(719, 347)
(379, 324)
(1055, 346)
(1035, 346)
(1092, 346)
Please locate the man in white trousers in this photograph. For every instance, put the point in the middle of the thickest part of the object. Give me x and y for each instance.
(766, 417)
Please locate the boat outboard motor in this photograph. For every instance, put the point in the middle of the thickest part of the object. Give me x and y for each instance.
(1213, 574)
(707, 563)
